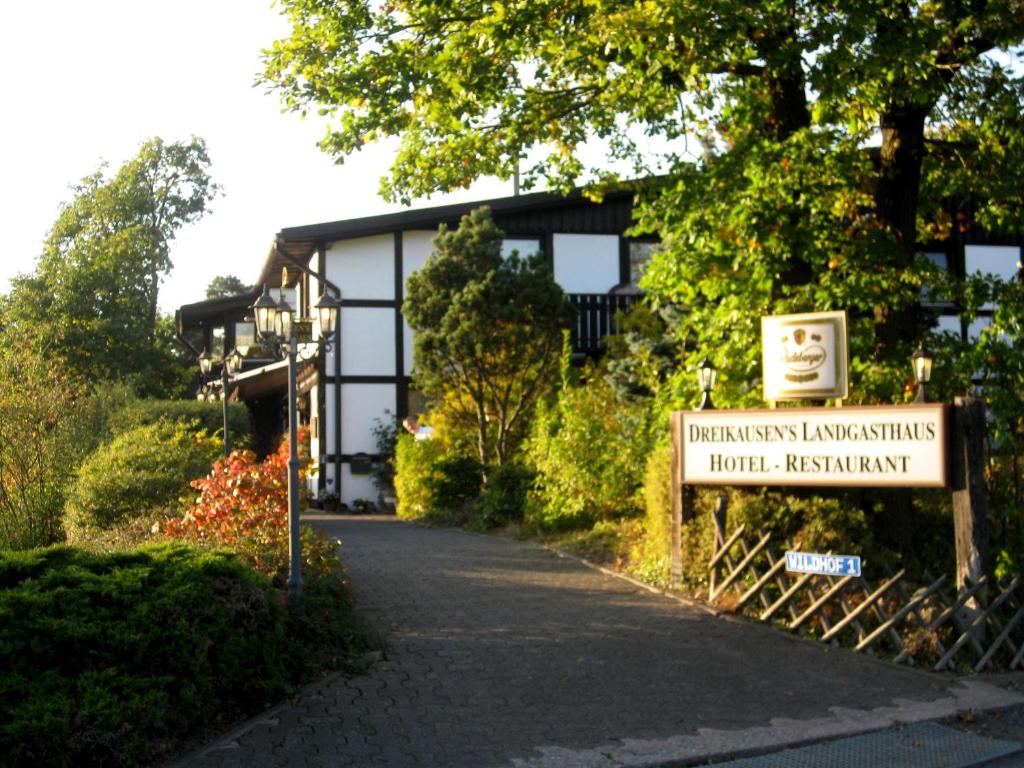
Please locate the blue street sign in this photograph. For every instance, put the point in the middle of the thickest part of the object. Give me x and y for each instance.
(824, 565)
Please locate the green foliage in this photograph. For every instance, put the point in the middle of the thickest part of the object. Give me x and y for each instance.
(993, 361)
(48, 424)
(163, 639)
(226, 285)
(91, 304)
(478, 92)
(110, 659)
(818, 523)
(589, 450)
(385, 435)
(650, 556)
(141, 471)
(208, 417)
(455, 483)
(488, 332)
(414, 468)
(435, 485)
(755, 233)
(606, 542)
(749, 123)
(505, 497)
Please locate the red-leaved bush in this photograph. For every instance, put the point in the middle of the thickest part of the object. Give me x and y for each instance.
(243, 504)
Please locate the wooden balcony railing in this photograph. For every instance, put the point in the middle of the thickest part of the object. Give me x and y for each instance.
(596, 318)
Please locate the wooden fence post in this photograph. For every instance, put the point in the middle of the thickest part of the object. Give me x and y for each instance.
(718, 518)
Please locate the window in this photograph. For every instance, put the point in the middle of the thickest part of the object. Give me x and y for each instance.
(1001, 262)
(245, 336)
(525, 247)
(929, 297)
(639, 257)
(217, 343)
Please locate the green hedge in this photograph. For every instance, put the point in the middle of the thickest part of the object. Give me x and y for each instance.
(207, 416)
(104, 656)
(120, 660)
(137, 473)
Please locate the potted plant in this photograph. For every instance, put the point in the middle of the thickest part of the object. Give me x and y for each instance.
(330, 501)
(364, 506)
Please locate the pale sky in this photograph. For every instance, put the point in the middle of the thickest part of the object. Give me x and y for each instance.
(91, 81)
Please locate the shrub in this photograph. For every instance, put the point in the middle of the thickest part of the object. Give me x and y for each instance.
(817, 522)
(455, 482)
(651, 554)
(504, 498)
(431, 484)
(139, 472)
(589, 451)
(118, 659)
(208, 417)
(243, 504)
(103, 657)
(47, 426)
(385, 435)
(414, 467)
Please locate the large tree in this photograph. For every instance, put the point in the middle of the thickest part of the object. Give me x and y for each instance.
(757, 119)
(92, 303)
(488, 332)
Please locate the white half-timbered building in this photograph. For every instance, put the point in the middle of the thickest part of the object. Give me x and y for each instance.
(366, 379)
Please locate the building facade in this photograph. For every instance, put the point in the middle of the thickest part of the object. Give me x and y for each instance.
(365, 380)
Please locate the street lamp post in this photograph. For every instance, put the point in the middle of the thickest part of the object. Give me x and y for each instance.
(707, 375)
(275, 327)
(922, 360)
(231, 365)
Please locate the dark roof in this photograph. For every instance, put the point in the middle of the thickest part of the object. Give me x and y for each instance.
(221, 303)
(197, 312)
(523, 215)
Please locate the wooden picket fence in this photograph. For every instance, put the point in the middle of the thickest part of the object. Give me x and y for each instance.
(978, 626)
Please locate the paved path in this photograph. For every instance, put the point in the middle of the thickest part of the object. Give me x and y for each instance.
(501, 653)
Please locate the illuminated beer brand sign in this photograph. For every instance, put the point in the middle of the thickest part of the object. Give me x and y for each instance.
(804, 356)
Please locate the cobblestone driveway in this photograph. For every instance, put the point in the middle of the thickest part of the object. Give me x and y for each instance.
(501, 653)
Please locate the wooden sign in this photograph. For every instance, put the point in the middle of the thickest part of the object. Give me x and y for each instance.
(896, 445)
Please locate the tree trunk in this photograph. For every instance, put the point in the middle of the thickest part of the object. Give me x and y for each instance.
(789, 104)
(482, 442)
(789, 115)
(899, 173)
(897, 194)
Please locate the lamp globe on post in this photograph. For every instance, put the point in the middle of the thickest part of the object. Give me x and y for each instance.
(922, 360)
(265, 311)
(234, 361)
(707, 375)
(327, 309)
(283, 319)
(205, 363)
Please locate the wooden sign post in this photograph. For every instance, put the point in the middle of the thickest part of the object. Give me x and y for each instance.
(970, 500)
